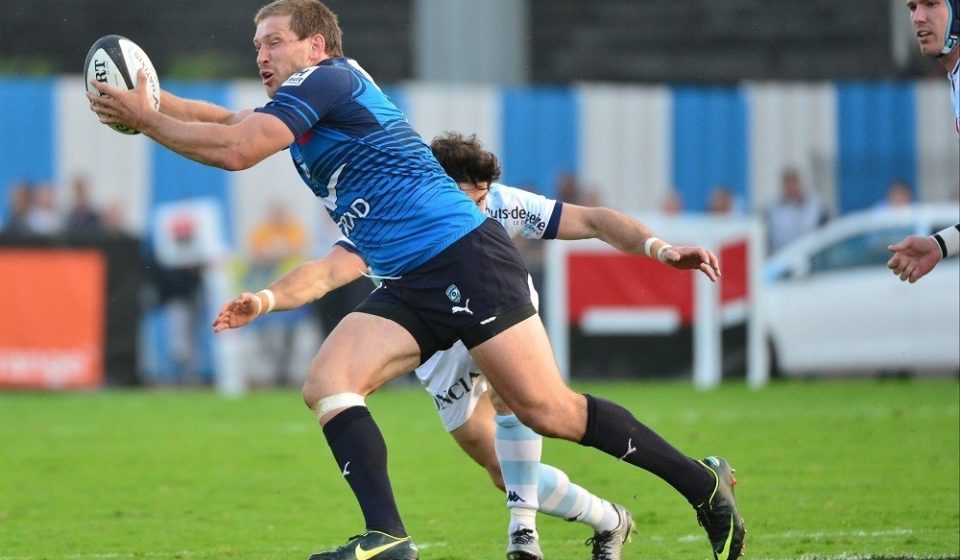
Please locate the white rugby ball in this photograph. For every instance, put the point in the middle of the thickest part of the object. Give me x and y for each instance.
(115, 60)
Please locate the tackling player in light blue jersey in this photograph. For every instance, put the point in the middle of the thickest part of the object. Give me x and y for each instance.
(448, 274)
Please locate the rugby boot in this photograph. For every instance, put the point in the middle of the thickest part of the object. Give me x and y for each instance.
(609, 544)
(524, 545)
(372, 545)
(718, 513)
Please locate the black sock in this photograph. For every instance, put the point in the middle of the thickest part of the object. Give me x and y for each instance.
(361, 453)
(613, 430)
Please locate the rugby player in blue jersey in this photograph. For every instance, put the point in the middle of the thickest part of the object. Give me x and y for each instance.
(446, 272)
(508, 450)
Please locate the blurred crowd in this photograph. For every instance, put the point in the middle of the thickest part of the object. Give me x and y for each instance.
(177, 303)
(34, 210)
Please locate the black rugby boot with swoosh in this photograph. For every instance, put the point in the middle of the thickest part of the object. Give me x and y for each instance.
(372, 545)
(718, 513)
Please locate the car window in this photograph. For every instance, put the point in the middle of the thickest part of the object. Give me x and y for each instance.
(866, 249)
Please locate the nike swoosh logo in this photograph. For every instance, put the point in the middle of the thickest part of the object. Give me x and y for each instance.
(368, 554)
(725, 551)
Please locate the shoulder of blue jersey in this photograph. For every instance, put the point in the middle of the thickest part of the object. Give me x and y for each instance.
(297, 78)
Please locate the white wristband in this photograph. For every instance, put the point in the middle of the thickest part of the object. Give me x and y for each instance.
(271, 301)
(663, 249)
(648, 244)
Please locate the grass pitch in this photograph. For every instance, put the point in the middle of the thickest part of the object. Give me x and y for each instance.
(828, 470)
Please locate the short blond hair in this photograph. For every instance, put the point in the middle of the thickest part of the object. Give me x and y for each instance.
(307, 18)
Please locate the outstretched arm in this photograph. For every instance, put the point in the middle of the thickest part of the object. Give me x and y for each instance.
(915, 256)
(204, 133)
(307, 282)
(195, 110)
(630, 236)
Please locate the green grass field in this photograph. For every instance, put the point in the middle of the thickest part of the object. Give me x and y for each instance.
(827, 470)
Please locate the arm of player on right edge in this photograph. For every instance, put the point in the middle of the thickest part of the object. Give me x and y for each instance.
(631, 236)
(916, 256)
(307, 282)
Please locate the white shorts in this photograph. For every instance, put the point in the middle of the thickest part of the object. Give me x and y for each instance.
(454, 380)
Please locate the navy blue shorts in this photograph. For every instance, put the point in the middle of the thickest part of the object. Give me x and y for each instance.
(473, 290)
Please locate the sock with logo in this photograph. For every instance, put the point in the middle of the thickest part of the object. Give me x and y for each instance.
(361, 453)
(518, 450)
(561, 498)
(613, 430)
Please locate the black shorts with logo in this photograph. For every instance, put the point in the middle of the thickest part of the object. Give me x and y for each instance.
(473, 290)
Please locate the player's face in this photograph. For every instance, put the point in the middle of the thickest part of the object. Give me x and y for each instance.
(279, 52)
(929, 18)
(477, 192)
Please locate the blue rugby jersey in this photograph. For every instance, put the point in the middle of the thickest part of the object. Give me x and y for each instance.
(378, 179)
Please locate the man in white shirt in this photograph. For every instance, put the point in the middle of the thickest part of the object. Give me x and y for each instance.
(937, 27)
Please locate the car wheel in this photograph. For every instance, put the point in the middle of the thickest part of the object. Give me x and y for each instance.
(775, 371)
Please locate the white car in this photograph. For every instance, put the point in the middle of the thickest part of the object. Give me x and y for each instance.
(831, 306)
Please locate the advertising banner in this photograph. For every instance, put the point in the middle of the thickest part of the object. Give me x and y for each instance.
(52, 321)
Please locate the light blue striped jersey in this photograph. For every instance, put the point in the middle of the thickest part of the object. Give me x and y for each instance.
(378, 179)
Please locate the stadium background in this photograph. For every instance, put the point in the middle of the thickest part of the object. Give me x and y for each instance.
(634, 98)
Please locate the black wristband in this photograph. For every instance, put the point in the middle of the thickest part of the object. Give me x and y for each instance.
(943, 245)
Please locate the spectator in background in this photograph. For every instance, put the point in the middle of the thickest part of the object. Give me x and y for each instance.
(21, 200)
(672, 203)
(722, 201)
(81, 217)
(899, 195)
(180, 289)
(112, 221)
(568, 189)
(43, 217)
(795, 213)
(278, 237)
(276, 244)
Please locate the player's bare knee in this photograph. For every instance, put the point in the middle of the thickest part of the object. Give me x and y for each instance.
(559, 417)
(540, 420)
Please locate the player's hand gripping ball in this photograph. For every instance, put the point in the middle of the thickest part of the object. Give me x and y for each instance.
(116, 60)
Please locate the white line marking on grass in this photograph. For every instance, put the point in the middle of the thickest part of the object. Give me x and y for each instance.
(815, 535)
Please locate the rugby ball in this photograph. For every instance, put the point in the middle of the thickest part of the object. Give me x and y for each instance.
(116, 60)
